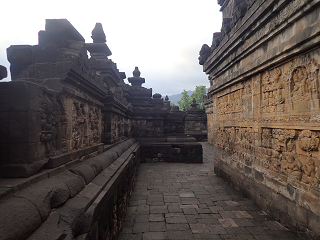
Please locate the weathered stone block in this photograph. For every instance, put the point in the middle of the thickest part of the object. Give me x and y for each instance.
(28, 216)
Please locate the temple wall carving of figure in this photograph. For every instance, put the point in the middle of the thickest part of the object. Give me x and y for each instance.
(263, 108)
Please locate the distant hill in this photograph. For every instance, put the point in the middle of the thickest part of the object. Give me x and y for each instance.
(174, 98)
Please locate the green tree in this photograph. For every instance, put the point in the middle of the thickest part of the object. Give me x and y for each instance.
(198, 95)
(185, 101)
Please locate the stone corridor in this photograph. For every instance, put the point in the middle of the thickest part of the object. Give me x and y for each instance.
(188, 201)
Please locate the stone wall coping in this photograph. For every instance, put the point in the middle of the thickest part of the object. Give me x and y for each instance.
(220, 57)
(11, 185)
(73, 184)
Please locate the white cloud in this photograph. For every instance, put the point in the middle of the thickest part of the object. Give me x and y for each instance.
(163, 37)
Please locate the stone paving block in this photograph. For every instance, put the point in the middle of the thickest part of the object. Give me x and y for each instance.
(204, 210)
(128, 236)
(156, 217)
(227, 222)
(264, 237)
(128, 222)
(176, 220)
(159, 209)
(187, 195)
(260, 216)
(215, 209)
(208, 221)
(142, 202)
(172, 199)
(243, 236)
(156, 203)
(232, 203)
(143, 209)
(126, 229)
(257, 230)
(157, 227)
(188, 206)
(202, 205)
(227, 214)
(206, 236)
(186, 234)
(217, 229)
(140, 227)
(192, 218)
(237, 230)
(143, 218)
(190, 211)
(133, 203)
(174, 209)
(242, 214)
(189, 201)
(132, 209)
(256, 223)
(178, 227)
(154, 235)
(243, 222)
(229, 237)
(206, 215)
(199, 228)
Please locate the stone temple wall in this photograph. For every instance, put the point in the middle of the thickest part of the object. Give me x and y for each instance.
(263, 106)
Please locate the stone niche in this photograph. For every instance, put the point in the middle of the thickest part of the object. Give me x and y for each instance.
(263, 107)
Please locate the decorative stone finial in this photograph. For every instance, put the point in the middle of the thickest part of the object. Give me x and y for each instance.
(98, 35)
(194, 104)
(3, 72)
(136, 80)
(204, 53)
(157, 96)
(136, 72)
(166, 98)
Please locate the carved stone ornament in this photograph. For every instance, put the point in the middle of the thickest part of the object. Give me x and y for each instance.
(272, 92)
(3, 72)
(136, 72)
(204, 53)
(308, 141)
(51, 114)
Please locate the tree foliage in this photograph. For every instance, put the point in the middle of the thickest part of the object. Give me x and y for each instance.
(186, 100)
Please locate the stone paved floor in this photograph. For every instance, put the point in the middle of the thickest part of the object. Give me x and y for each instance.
(188, 201)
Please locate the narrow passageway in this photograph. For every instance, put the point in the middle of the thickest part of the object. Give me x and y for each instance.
(188, 201)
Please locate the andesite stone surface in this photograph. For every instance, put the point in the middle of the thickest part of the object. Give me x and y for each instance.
(263, 106)
(68, 123)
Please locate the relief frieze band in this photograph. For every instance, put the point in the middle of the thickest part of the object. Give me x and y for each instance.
(289, 152)
(295, 85)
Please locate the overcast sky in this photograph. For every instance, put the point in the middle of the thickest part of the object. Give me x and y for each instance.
(163, 38)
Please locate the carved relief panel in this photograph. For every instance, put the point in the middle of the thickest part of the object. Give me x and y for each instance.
(51, 112)
(296, 154)
(272, 91)
(304, 81)
(86, 125)
(292, 86)
(235, 99)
